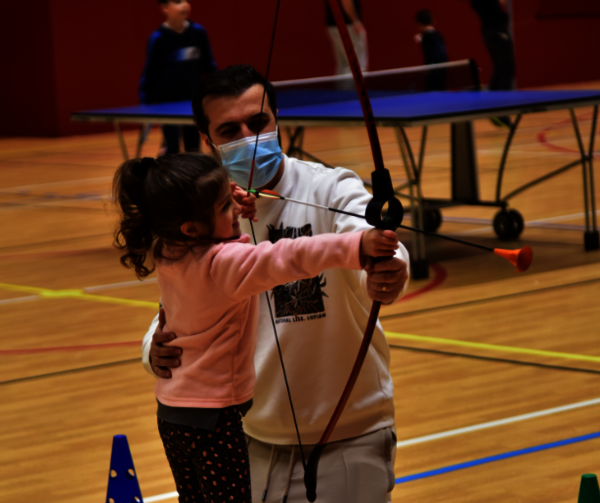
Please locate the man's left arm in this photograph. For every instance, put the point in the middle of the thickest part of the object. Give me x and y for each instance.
(385, 280)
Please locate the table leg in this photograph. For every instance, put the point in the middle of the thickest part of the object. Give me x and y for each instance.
(422, 152)
(419, 264)
(591, 168)
(295, 148)
(294, 136)
(505, 151)
(591, 237)
(144, 131)
(121, 141)
(465, 184)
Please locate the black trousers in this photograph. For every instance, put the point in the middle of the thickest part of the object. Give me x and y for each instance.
(500, 46)
(209, 465)
(191, 138)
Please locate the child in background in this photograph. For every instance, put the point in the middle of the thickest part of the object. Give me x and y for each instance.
(183, 212)
(178, 57)
(434, 49)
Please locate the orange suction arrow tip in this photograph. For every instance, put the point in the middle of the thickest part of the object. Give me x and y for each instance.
(521, 259)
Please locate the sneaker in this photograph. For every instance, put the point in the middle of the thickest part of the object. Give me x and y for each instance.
(503, 121)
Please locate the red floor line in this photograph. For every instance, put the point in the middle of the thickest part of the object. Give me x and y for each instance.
(29, 351)
(440, 275)
(543, 139)
(57, 254)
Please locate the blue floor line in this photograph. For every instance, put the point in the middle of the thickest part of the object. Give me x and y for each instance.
(497, 457)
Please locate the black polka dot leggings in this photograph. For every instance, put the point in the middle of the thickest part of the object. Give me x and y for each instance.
(209, 466)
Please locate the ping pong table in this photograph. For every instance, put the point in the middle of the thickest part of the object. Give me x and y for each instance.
(300, 108)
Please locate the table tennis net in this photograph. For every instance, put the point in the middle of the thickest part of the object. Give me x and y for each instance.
(452, 76)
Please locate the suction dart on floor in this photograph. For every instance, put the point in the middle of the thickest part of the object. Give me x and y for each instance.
(520, 258)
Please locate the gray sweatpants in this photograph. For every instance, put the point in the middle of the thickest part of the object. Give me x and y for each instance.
(360, 47)
(356, 470)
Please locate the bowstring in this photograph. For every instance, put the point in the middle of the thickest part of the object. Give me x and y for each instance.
(287, 386)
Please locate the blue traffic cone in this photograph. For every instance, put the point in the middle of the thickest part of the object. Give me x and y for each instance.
(589, 492)
(123, 485)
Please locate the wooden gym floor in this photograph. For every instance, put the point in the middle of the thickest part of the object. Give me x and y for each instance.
(72, 321)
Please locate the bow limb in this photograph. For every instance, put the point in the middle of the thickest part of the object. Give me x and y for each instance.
(383, 195)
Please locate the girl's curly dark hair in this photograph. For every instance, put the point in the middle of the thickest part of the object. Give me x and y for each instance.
(156, 196)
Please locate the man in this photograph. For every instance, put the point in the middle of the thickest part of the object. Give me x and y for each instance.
(496, 35)
(320, 321)
(352, 16)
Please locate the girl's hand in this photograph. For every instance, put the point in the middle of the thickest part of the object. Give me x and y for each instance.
(246, 201)
(378, 243)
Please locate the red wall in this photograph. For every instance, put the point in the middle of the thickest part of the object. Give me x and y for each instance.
(90, 54)
(27, 86)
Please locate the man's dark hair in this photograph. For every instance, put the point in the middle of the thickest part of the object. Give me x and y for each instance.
(424, 17)
(231, 81)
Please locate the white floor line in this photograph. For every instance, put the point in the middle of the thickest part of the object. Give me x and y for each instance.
(54, 203)
(450, 433)
(467, 220)
(560, 219)
(560, 227)
(540, 223)
(481, 230)
(500, 422)
(17, 300)
(66, 183)
(161, 497)
(529, 153)
(124, 284)
(62, 203)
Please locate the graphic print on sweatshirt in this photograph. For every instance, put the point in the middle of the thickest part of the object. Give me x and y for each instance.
(299, 300)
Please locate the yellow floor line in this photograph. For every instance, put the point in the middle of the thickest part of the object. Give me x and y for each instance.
(78, 294)
(492, 347)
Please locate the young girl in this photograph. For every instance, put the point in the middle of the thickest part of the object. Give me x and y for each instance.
(180, 214)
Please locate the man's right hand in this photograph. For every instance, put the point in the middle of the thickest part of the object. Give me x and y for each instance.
(163, 358)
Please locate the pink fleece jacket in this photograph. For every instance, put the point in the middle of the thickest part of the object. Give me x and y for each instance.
(211, 302)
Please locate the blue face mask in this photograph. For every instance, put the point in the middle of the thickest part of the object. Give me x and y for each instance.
(236, 157)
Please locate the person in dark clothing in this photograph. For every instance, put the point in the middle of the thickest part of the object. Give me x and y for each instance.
(178, 57)
(496, 35)
(434, 50)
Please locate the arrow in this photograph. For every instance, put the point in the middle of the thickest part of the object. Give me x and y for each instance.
(520, 258)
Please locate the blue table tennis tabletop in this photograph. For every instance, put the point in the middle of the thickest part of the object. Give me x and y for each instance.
(339, 108)
(389, 107)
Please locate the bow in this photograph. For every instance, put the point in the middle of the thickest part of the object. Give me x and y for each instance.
(383, 200)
